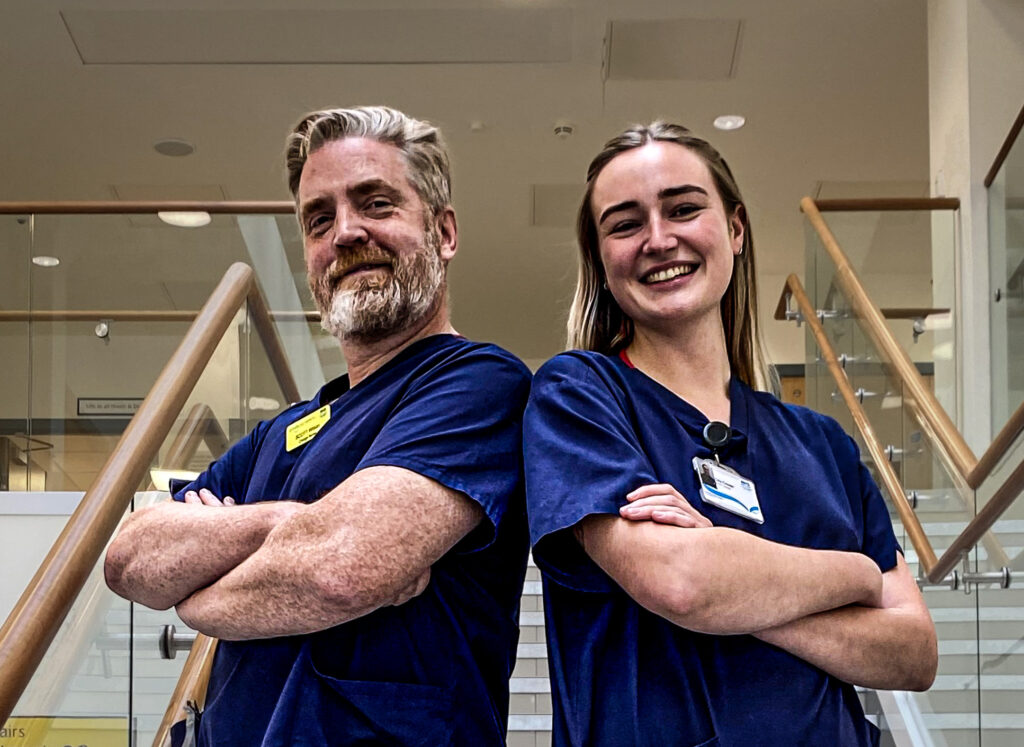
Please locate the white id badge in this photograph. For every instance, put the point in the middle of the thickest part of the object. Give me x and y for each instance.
(727, 489)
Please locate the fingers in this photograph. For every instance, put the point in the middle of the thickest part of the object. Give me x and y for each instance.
(664, 504)
(207, 498)
(658, 488)
(662, 515)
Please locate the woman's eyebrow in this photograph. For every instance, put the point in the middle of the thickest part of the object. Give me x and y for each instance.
(681, 190)
(627, 205)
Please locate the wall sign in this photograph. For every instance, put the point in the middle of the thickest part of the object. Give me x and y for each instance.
(117, 406)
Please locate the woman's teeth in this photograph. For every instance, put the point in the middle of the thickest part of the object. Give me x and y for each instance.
(672, 272)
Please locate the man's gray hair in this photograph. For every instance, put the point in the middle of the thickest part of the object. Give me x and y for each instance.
(420, 143)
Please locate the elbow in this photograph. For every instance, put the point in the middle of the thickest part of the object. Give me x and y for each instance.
(927, 664)
(337, 597)
(117, 572)
(684, 602)
(116, 566)
(113, 568)
(920, 663)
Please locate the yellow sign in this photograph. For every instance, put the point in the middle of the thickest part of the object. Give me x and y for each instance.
(304, 429)
(41, 731)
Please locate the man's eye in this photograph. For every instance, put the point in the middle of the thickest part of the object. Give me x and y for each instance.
(379, 204)
(317, 224)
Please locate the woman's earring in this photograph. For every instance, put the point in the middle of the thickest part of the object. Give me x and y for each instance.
(604, 285)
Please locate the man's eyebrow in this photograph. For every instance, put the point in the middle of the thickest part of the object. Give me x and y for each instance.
(311, 206)
(376, 185)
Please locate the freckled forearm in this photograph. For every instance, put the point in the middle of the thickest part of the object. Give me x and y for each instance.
(268, 596)
(166, 552)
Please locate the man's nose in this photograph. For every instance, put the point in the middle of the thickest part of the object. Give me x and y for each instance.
(349, 229)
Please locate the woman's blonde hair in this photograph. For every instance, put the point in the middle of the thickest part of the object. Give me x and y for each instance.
(595, 320)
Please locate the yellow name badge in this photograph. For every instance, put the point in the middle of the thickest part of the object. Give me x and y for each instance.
(304, 429)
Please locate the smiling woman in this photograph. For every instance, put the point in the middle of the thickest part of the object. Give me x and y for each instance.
(639, 447)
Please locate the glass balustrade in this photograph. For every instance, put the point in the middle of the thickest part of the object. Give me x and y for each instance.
(85, 340)
(952, 712)
(1006, 262)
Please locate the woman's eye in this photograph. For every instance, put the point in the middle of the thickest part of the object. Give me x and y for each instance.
(623, 226)
(684, 210)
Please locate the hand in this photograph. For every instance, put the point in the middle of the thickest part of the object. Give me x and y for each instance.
(207, 498)
(663, 504)
(414, 589)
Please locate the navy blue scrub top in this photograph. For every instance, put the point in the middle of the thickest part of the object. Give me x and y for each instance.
(431, 671)
(596, 429)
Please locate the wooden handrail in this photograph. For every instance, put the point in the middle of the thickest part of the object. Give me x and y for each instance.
(887, 204)
(195, 676)
(1004, 151)
(950, 444)
(891, 483)
(952, 447)
(44, 604)
(903, 312)
(133, 315)
(958, 458)
(136, 207)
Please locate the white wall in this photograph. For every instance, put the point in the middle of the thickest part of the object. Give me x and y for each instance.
(976, 80)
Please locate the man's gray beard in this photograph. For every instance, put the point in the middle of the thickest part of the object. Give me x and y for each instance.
(375, 312)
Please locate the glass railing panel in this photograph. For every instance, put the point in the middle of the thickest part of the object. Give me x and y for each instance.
(80, 692)
(1006, 262)
(273, 247)
(949, 713)
(90, 372)
(905, 261)
(17, 469)
(822, 394)
(1001, 643)
(949, 710)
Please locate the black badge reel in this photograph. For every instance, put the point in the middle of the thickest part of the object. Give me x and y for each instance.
(716, 436)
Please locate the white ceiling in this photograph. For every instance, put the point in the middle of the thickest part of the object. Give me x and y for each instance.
(834, 92)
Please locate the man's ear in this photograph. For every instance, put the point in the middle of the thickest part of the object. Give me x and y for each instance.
(448, 230)
(736, 223)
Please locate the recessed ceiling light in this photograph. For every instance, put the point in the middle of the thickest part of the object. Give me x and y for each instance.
(184, 219)
(730, 122)
(45, 261)
(174, 146)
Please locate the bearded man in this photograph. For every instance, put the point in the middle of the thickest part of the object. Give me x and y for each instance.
(361, 555)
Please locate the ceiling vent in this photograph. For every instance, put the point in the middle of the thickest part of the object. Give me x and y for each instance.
(672, 49)
(327, 36)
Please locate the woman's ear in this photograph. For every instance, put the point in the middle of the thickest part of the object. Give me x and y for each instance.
(736, 232)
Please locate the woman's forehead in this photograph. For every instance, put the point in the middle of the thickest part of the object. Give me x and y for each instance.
(643, 172)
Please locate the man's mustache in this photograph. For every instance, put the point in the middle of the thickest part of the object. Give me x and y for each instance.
(367, 256)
